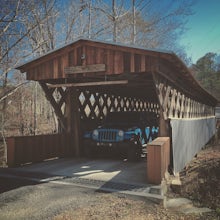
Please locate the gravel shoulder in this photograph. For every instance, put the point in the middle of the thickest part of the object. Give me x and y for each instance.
(63, 202)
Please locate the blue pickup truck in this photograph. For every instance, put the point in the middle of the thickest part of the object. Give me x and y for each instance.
(124, 134)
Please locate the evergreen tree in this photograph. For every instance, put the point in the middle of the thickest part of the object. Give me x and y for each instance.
(207, 70)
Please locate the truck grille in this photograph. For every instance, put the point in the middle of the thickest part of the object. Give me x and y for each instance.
(108, 135)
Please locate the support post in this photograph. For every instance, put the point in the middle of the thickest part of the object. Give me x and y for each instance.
(74, 127)
(73, 120)
(163, 125)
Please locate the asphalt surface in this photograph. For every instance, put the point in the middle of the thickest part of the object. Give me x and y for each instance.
(44, 190)
(103, 175)
(43, 201)
(100, 169)
(49, 189)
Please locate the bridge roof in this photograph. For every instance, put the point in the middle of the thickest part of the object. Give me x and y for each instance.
(125, 70)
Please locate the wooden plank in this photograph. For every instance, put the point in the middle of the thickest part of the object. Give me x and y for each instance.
(165, 101)
(64, 64)
(132, 63)
(37, 148)
(137, 63)
(172, 104)
(119, 82)
(84, 57)
(10, 151)
(55, 68)
(143, 69)
(85, 69)
(90, 55)
(177, 107)
(118, 62)
(71, 58)
(100, 54)
(182, 106)
(127, 60)
(110, 61)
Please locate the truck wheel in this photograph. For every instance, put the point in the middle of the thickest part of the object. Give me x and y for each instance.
(88, 151)
(134, 154)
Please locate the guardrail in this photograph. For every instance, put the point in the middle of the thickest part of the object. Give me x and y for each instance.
(30, 149)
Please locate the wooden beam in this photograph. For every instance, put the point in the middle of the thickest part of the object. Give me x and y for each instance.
(56, 107)
(75, 119)
(85, 69)
(101, 83)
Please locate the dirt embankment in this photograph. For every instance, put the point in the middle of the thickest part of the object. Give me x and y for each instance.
(201, 179)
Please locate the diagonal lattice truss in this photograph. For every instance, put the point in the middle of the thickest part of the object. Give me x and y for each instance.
(176, 104)
(57, 98)
(95, 105)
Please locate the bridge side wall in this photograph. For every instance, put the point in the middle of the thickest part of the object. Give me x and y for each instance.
(188, 137)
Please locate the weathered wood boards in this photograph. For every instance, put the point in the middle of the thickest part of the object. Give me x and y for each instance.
(90, 58)
(85, 69)
(26, 149)
(99, 83)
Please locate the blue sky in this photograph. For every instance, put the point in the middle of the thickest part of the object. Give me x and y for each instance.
(203, 34)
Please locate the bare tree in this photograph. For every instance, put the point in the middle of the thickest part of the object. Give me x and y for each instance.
(113, 13)
(14, 35)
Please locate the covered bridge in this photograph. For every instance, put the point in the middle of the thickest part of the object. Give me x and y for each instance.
(93, 78)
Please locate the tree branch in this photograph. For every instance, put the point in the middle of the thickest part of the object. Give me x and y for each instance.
(12, 91)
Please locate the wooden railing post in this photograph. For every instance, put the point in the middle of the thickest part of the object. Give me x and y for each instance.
(10, 151)
(76, 122)
(73, 119)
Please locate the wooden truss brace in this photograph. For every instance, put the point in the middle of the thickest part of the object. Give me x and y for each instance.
(176, 104)
(95, 105)
(56, 105)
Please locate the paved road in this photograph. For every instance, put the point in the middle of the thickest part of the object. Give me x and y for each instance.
(43, 190)
(100, 169)
(44, 201)
(25, 197)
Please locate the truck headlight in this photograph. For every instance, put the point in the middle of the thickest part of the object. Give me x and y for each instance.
(120, 133)
(95, 133)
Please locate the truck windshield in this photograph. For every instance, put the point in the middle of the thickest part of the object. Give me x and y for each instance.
(123, 118)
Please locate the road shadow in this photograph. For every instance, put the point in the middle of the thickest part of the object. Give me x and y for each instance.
(104, 172)
(8, 184)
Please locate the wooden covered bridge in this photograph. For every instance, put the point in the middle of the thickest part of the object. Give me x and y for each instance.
(94, 78)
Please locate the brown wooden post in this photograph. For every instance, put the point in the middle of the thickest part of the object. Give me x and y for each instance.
(69, 110)
(73, 120)
(76, 122)
(163, 125)
(11, 151)
(158, 159)
(69, 122)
